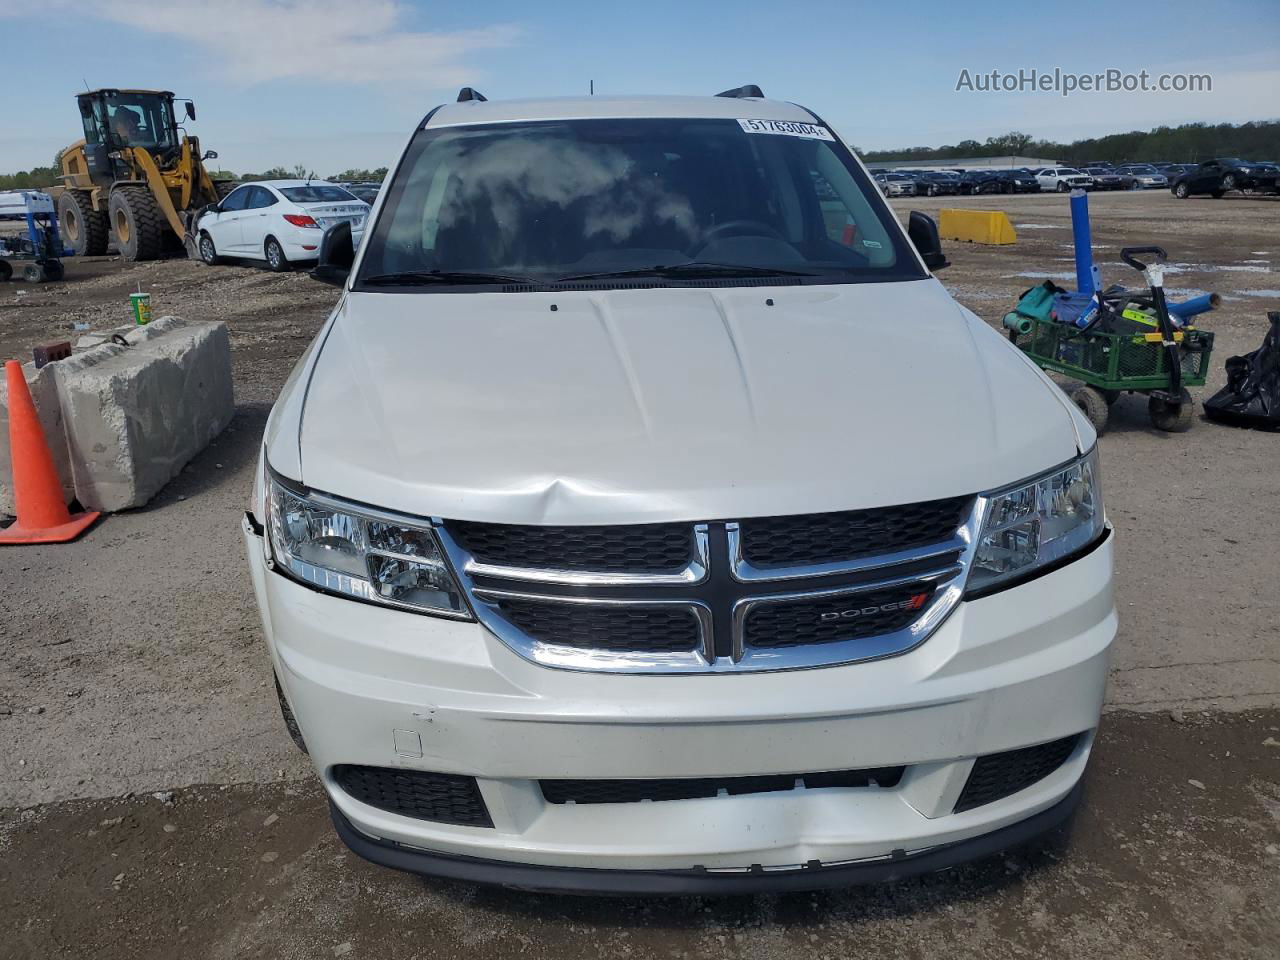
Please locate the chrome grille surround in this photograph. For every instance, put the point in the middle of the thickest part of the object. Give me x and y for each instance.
(720, 589)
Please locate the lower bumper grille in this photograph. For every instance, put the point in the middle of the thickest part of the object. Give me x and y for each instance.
(999, 775)
(439, 797)
(633, 791)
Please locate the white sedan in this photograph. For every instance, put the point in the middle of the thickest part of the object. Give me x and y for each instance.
(279, 221)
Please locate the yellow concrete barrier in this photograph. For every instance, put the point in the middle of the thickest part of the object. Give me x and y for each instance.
(976, 226)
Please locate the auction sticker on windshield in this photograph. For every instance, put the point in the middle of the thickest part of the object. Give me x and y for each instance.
(810, 131)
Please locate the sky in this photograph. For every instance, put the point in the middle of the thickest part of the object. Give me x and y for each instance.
(331, 84)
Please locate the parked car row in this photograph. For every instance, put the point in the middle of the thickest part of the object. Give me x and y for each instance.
(1213, 177)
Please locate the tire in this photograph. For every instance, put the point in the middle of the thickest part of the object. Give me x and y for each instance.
(1135, 185)
(1093, 405)
(6, 271)
(1062, 186)
(83, 228)
(1171, 418)
(277, 262)
(290, 721)
(136, 223)
(33, 273)
(1181, 191)
(1229, 182)
(53, 270)
(208, 252)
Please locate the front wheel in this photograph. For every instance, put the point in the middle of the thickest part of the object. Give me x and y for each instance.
(1171, 417)
(1181, 191)
(276, 259)
(1093, 405)
(1062, 187)
(208, 252)
(1229, 182)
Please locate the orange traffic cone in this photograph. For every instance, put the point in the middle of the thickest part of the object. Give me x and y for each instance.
(37, 492)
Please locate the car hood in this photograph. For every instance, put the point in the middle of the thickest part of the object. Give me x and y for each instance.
(629, 406)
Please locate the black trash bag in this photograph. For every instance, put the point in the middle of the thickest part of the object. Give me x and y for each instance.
(1251, 397)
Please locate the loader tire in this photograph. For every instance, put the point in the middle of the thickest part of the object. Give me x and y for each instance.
(136, 223)
(83, 228)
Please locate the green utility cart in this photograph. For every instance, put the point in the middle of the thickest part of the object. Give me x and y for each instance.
(1160, 364)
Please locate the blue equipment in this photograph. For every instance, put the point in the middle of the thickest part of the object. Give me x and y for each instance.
(42, 244)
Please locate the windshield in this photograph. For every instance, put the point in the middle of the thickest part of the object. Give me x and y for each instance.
(316, 193)
(555, 200)
(1142, 168)
(132, 120)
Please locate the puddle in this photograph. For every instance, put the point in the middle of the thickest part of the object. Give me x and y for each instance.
(1247, 267)
(1260, 293)
(1259, 253)
(1267, 262)
(1038, 275)
(977, 295)
(1039, 226)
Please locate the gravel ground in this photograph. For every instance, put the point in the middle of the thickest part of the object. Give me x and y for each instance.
(131, 664)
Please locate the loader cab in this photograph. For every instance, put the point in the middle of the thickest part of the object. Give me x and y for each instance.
(114, 119)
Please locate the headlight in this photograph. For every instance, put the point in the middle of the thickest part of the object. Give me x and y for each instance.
(360, 553)
(1038, 523)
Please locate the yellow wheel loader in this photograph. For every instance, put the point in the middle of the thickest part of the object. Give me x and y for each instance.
(136, 177)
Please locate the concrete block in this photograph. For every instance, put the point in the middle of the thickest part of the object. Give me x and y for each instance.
(134, 416)
(44, 393)
(122, 421)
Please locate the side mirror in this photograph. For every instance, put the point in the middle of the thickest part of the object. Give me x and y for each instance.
(923, 231)
(210, 208)
(337, 254)
(191, 110)
(210, 155)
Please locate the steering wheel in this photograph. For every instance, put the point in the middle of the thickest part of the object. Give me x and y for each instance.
(749, 228)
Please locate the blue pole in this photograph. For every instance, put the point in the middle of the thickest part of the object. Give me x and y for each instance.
(1083, 242)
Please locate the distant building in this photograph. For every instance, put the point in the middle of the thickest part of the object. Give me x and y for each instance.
(965, 163)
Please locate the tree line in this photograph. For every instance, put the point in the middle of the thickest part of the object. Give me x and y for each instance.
(41, 178)
(1190, 142)
(1255, 140)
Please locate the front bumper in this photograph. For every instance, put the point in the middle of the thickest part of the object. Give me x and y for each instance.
(378, 687)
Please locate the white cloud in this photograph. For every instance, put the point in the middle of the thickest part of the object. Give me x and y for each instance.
(327, 41)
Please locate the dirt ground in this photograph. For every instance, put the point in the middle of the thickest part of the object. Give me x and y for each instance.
(130, 664)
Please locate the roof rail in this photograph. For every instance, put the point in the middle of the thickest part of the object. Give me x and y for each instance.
(467, 93)
(749, 90)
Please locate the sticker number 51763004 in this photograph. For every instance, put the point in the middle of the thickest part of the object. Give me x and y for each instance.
(788, 128)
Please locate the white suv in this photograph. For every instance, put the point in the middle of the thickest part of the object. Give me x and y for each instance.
(1063, 179)
(647, 518)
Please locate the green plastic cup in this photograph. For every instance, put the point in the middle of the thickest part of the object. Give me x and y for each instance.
(141, 303)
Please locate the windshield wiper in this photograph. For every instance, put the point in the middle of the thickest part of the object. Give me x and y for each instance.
(415, 277)
(692, 270)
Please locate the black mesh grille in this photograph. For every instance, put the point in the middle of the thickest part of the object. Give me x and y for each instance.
(441, 797)
(999, 775)
(605, 627)
(643, 548)
(854, 616)
(633, 791)
(833, 537)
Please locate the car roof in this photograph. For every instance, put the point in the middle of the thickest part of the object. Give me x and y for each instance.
(293, 183)
(581, 108)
